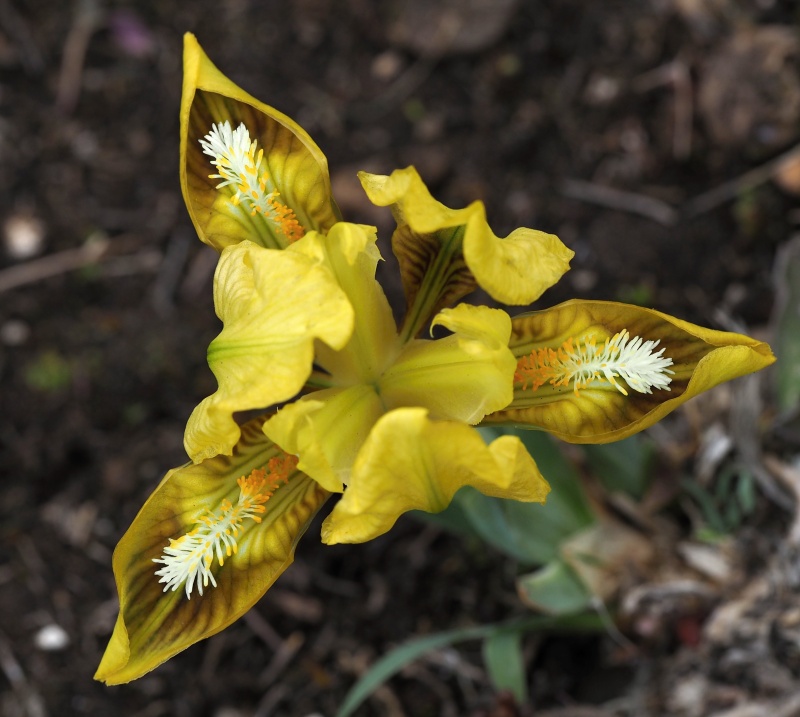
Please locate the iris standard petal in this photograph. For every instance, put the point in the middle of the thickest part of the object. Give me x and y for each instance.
(154, 625)
(349, 252)
(460, 377)
(273, 305)
(326, 430)
(410, 462)
(295, 168)
(432, 238)
(599, 412)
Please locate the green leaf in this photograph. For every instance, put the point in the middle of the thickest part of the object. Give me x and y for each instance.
(397, 659)
(454, 519)
(527, 532)
(787, 325)
(567, 503)
(505, 663)
(507, 525)
(746, 491)
(554, 589)
(623, 466)
(708, 506)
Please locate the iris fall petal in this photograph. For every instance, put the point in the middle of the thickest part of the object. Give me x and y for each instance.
(296, 168)
(702, 358)
(154, 625)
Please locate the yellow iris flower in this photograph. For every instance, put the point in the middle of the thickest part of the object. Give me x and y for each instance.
(351, 403)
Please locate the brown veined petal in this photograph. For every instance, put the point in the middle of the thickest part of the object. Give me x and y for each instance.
(154, 625)
(443, 252)
(297, 169)
(599, 413)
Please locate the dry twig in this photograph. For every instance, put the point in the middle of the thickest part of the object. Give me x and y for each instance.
(733, 188)
(16, 27)
(662, 212)
(676, 74)
(52, 265)
(95, 251)
(281, 659)
(87, 19)
(649, 207)
(263, 629)
(790, 477)
(30, 701)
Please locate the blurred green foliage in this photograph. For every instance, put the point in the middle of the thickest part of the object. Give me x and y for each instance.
(49, 372)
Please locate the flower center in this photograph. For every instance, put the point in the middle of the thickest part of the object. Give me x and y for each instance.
(241, 167)
(583, 362)
(188, 559)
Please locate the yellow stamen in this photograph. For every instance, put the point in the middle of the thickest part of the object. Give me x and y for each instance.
(581, 362)
(188, 559)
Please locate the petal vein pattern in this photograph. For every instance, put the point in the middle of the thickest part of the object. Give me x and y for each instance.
(188, 559)
(674, 361)
(297, 168)
(154, 625)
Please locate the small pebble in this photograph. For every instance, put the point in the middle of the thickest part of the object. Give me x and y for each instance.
(583, 279)
(228, 712)
(387, 66)
(85, 145)
(787, 176)
(14, 332)
(51, 638)
(23, 236)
